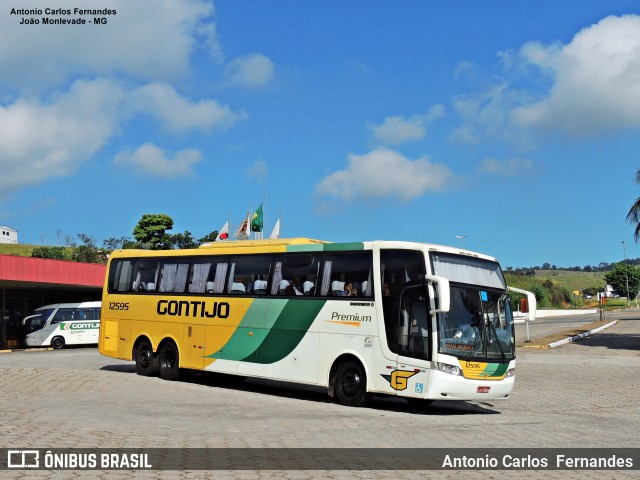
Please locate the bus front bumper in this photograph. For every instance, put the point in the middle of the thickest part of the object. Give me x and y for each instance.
(444, 386)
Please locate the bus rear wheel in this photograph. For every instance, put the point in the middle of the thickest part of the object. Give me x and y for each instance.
(168, 359)
(350, 384)
(57, 343)
(146, 360)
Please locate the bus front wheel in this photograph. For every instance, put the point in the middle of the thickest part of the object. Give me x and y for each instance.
(146, 360)
(350, 384)
(168, 358)
(57, 343)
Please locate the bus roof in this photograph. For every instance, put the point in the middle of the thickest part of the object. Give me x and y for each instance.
(90, 304)
(298, 244)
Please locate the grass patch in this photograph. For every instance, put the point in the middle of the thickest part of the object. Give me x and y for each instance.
(19, 249)
(573, 280)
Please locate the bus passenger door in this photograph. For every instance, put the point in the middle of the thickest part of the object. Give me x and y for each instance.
(193, 354)
(411, 375)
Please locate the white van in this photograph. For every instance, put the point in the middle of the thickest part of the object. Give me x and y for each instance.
(63, 324)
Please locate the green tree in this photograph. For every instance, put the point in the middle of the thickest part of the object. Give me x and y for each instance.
(211, 237)
(88, 240)
(184, 240)
(619, 276)
(53, 253)
(114, 243)
(87, 252)
(151, 231)
(634, 212)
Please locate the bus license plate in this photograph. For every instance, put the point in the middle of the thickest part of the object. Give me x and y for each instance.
(483, 389)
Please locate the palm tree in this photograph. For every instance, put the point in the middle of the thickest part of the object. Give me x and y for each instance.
(634, 212)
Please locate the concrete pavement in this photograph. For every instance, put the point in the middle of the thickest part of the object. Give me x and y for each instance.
(580, 395)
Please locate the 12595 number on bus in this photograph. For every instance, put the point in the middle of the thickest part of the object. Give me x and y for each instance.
(118, 305)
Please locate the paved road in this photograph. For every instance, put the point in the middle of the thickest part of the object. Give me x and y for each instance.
(580, 395)
(544, 326)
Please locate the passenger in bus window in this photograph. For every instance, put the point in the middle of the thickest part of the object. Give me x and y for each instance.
(296, 286)
(386, 292)
(349, 290)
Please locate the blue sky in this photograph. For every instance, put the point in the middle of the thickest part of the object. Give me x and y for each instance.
(513, 123)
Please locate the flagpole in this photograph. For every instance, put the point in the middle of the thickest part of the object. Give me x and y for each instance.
(264, 213)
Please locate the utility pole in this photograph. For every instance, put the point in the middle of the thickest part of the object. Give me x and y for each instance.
(626, 273)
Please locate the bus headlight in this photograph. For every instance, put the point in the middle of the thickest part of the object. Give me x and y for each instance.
(510, 373)
(450, 369)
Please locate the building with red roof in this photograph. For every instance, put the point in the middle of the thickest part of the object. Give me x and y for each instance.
(27, 283)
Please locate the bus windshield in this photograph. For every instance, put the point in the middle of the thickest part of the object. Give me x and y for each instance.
(36, 321)
(478, 326)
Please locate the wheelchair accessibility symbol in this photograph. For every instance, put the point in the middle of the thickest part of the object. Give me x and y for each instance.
(419, 388)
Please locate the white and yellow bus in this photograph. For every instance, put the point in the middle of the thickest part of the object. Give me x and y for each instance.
(413, 320)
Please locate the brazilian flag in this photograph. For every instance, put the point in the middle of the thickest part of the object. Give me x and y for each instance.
(256, 220)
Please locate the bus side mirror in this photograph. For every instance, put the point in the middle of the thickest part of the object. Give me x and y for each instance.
(443, 293)
(531, 302)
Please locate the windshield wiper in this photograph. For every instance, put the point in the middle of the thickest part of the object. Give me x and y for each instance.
(492, 328)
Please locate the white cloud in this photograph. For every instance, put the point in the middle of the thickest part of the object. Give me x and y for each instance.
(177, 113)
(596, 77)
(151, 160)
(39, 140)
(385, 173)
(145, 39)
(397, 130)
(506, 168)
(258, 170)
(253, 70)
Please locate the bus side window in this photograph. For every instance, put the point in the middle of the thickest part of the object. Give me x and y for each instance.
(246, 272)
(173, 277)
(63, 315)
(341, 269)
(399, 267)
(120, 274)
(199, 276)
(145, 272)
(88, 314)
(295, 274)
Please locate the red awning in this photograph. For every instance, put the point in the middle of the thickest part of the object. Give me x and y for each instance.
(60, 272)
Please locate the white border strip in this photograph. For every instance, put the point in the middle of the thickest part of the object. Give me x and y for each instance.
(582, 335)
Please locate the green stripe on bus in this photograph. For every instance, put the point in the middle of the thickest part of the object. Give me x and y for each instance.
(326, 247)
(305, 248)
(252, 331)
(336, 247)
(496, 369)
(287, 332)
